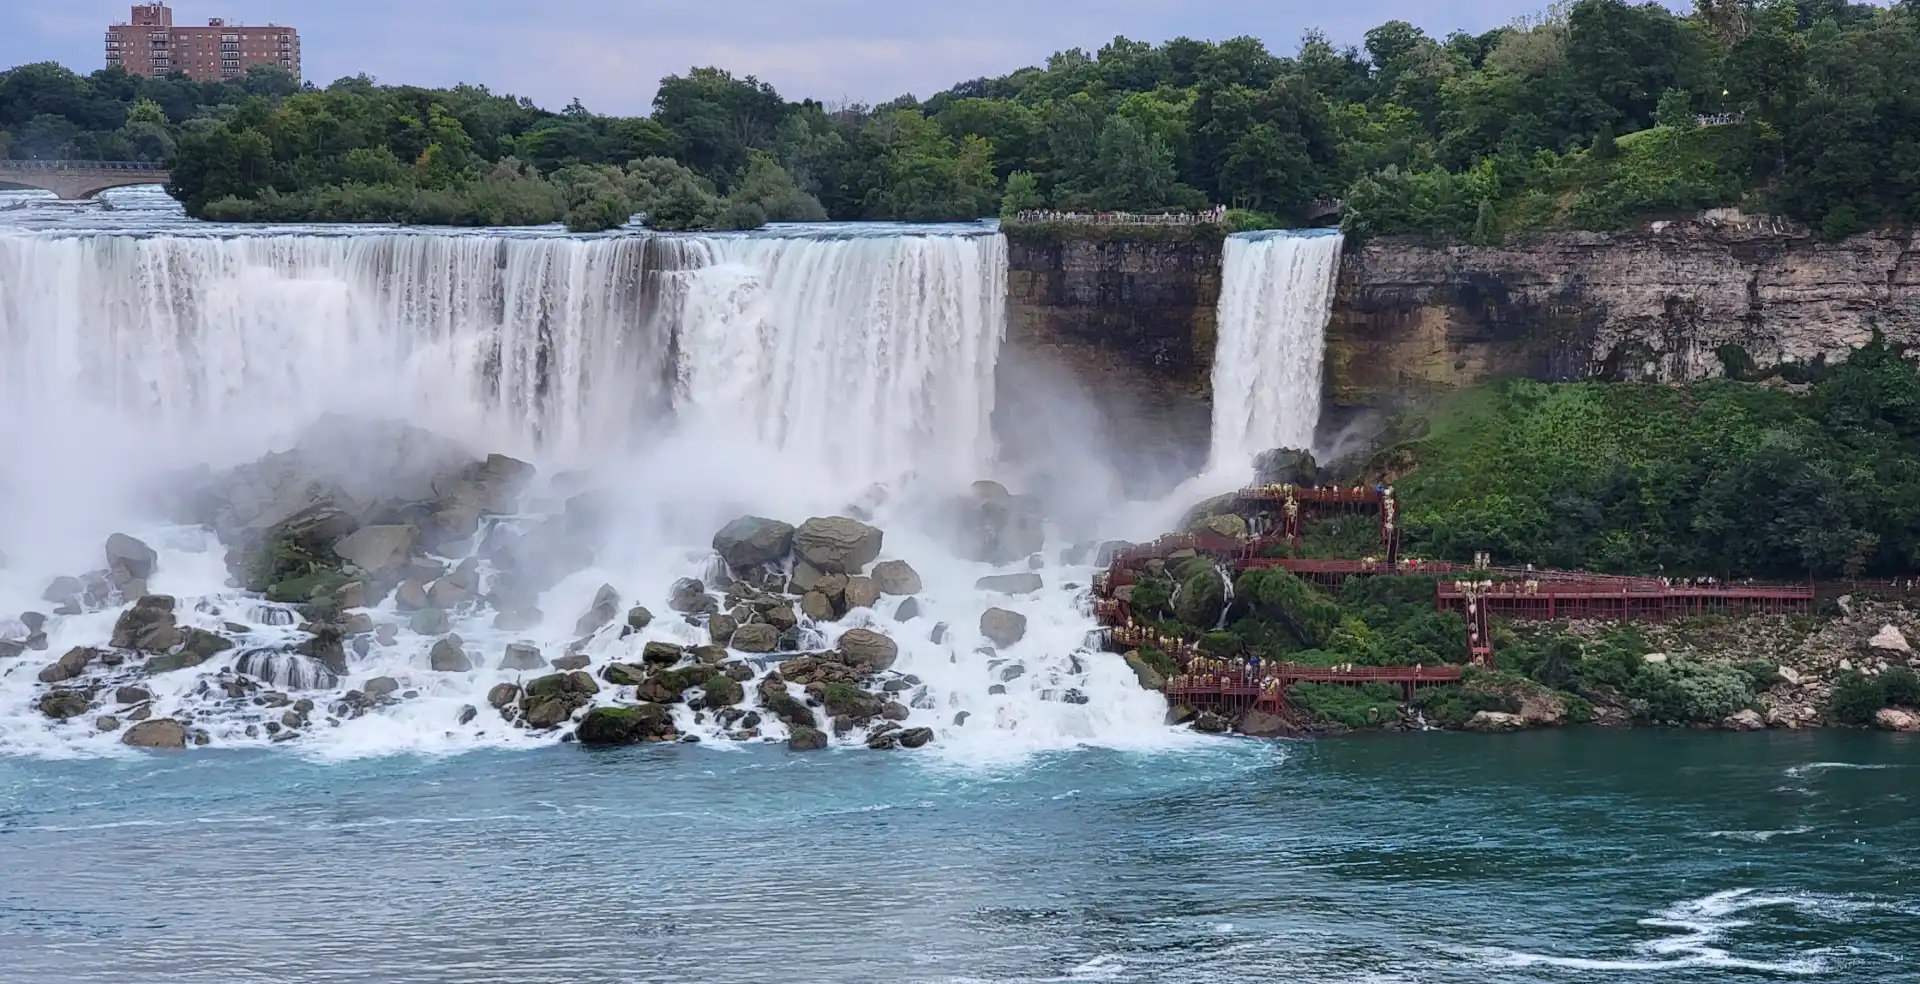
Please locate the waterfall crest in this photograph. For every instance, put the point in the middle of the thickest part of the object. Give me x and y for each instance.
(1276, 295)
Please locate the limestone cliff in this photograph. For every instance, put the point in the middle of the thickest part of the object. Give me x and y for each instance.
(1677, 302)
(1123, 320)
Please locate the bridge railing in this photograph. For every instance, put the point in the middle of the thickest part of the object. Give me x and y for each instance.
(79, 166)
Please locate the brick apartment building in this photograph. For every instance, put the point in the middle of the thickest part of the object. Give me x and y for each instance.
(150, 45)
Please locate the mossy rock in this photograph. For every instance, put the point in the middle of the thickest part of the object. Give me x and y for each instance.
(1202, 596)
(723, 691)
(805, 739)
(682, 680)
(625, 725)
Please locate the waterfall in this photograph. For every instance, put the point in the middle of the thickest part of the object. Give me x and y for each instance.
(871, 354)
(1275, 298)
(515, 341)
(787, 374)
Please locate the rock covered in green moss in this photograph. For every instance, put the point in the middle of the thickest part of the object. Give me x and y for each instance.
(626, 725)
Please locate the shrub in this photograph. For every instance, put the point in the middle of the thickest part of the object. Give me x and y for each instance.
(1902, 686)
(1856, 698)
(1368, 706)
(1684, 690)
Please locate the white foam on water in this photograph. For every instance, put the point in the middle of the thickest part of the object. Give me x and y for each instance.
(1276, 295)
(1815, 768)
(700, 377)
(1757, 836)
(1702, 928)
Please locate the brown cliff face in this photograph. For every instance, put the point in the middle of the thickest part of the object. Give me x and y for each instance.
(1678, 303)
(1126, 325)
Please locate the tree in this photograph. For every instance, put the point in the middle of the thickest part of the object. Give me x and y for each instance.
(719, 118)
(1675, 111)
(1022, 194)
(1135, 169)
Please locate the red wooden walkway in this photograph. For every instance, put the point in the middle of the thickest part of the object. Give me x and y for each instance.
(1478, 593)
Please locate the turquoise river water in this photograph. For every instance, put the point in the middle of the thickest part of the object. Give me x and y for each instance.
(1570, 856)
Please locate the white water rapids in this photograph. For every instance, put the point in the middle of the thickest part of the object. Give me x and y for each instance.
(696, 378)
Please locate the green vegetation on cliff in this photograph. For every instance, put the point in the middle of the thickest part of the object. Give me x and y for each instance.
(1584, 117)
(1726, 478)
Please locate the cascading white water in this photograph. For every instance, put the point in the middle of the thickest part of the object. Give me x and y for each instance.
(1276, 295)
(701, 376)
(871, 355)
(503, 340)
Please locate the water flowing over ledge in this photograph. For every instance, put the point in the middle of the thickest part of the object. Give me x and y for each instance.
(1276, 296)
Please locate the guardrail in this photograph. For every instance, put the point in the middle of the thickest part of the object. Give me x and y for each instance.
(32, 165)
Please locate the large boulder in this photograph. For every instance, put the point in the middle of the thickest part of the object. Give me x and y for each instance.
(1256, 723)
(462, 584)
(1896, 719)
(1014, 584)
(757, 637)
(61, 705)
(156, 733)
(68, 666)
(871, 651)
(661, 654)
(1495, 721)
(1228, 525)
(915, 737)
(896, 577)
(861, 592)
(449, 655)
(775, 699)
(690, 597)
(837, 545)
(129, 559)
(626, 725)
(817, 607)
(1200, 598)
(148, 626)
(1889, 640)
(605, 608)
(753, 540)
(804, 739)
(1285, 466)
(549, 701)
(1002, 627)
(723, 691)
(1150, 678)
(378, 549)
(522, 656)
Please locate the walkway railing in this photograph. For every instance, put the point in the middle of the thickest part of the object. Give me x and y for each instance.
(6, 165)
(1213, 216)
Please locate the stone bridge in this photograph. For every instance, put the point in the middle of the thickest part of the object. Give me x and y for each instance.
(73, 180)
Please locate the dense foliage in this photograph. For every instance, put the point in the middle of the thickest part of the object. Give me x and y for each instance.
(1585, 117)
(1725, 478)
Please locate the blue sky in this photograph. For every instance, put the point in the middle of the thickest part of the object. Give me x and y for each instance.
(611, 53)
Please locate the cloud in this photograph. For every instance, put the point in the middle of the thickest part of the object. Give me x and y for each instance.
(612, 53)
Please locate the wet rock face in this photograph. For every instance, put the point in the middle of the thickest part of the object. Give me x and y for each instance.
(871, 651)
(157, 733)
(1003, 627)
(752, 540)
(148, 626)
(837, 545)
(804, 739)
(896, 577)
(626, 725)
(1013, 584)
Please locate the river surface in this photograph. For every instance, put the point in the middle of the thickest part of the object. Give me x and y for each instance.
(1573, 856)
